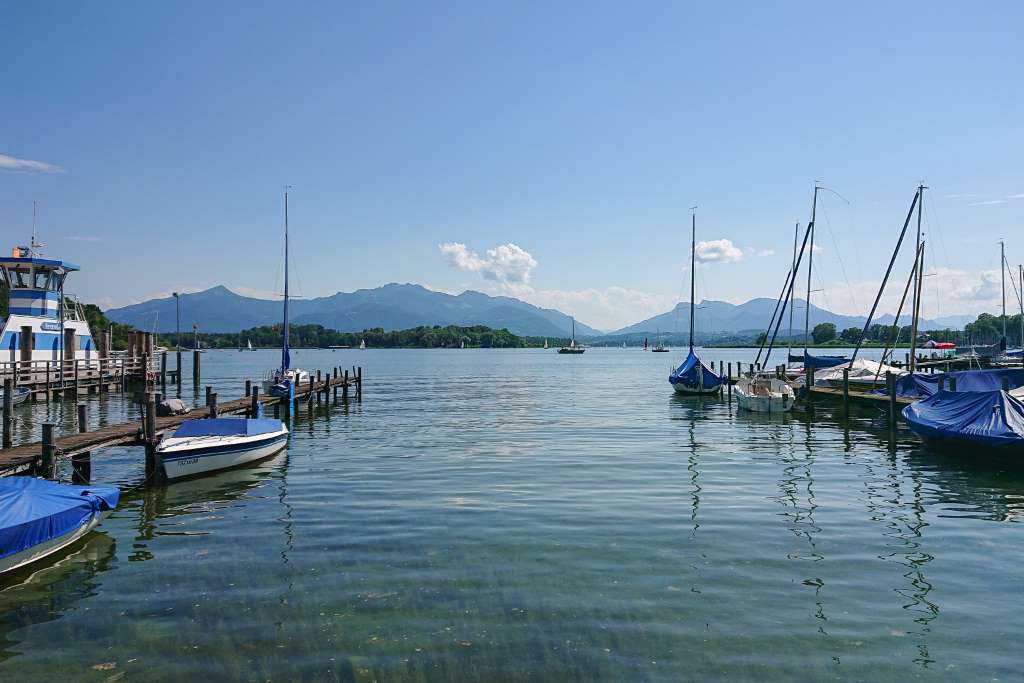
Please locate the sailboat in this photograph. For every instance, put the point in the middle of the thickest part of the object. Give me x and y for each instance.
(659, 347)
(545, 343)
(693, 377)
(284, 379)
(362, 343)
(248, 345)
(572, 347)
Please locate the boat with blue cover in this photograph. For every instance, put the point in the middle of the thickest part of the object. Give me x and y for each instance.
(213, 444)
(39, 517)
(692, 376)
(917, 385)
(972, 421)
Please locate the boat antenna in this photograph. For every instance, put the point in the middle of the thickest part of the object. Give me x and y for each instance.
(34, 247)
(693, 265)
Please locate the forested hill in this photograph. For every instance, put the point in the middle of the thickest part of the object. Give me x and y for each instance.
(318, 336)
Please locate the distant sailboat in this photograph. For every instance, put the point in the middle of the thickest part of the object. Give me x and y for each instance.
(660, 347)
(572, 347)
(362, 343)
(248, 344)
(545, 343)
(693, 377)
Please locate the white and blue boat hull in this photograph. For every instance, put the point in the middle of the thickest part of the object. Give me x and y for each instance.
(196, 456)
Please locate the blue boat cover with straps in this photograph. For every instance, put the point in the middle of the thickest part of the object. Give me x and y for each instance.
(987, 418)
(33, 511)
(690, 372)
(810, 361)
(921, 386)
(227, 426)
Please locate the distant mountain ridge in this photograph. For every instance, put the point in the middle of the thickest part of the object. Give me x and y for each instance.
(722, 316)
(403, 306)
(392, 307)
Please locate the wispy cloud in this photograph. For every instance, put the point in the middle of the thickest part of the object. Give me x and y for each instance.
(963, 195)
(15, 165)
(988, 202)
(718, 251)
(1019, 195)
(766, 252)
(83, 238)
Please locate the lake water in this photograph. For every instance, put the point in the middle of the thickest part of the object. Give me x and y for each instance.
(520, 515)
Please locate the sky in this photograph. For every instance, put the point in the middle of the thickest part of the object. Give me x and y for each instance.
(548, 151)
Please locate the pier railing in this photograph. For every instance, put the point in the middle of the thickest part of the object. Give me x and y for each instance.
(58, 374)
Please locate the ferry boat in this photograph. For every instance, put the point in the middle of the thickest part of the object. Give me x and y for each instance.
(38, 327)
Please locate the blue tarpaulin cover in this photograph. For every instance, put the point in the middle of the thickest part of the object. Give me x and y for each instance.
(810, 361)
(985, 418)
(227, 426)
(921, 386)
(690, 373)
(33, 511)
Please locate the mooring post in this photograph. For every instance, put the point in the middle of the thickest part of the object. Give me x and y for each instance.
(209, 392)
(846, 391)
(359, 384)
(177, 368)
(48, 451)
(81, 463)
(163, 369)
(248, 388)
(213, 404)
(75, 361)
(344, 388)
(318, 389)
(254, 409)
(196, 374)
(890, 385)
(152, 463)
(145, 371)
(8, 406)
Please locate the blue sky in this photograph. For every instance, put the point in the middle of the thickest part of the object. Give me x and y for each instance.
(550, 151)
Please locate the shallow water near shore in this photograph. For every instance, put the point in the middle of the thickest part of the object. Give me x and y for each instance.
(520, 515)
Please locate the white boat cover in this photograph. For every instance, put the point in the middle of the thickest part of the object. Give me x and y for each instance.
(862, 370)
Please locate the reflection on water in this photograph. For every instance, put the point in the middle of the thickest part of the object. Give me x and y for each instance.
(518, 516)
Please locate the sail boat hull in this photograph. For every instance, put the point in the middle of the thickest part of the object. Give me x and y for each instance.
(694, 389)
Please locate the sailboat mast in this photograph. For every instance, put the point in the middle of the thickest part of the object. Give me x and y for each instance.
(285, 356)
(1020, 300)
(693, 263)
(810, 267)
(796, 234)
(918, 274)
(1002, 277)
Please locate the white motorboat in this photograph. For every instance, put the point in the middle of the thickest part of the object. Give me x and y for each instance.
(211, 445)
(39, 517)
(760, 394)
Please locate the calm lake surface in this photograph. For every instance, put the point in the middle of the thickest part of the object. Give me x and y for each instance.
(520, 515)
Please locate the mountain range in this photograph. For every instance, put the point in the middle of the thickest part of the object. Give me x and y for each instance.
(401, 306)
(392, 307)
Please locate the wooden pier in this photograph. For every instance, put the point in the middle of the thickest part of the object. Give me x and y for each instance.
(41, 457)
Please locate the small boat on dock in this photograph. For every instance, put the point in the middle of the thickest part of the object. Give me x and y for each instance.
(973, 422)
(693, 377)
(220, 443)
(762, 394)
(38, 517)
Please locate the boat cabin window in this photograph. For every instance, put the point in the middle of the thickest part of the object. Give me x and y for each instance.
(18, 278)
(43, 279)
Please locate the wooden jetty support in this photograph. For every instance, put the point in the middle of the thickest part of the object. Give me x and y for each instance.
(41, 457)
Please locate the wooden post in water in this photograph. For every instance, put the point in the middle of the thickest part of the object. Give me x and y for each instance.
(344, 388)
(152, 463)
(163, 368)
(318, 390)
(359, 385)
(48, 451)
(81, 463)
(254, 409)
(209, 392)
(846, 391)
(248, 388)
(213, 405)
(196, 374)
(8, 406)
(728, 383)
(890, 385)
(177, 374)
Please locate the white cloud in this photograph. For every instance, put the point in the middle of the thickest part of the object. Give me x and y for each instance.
(1019, 195)
(507, 263)
(16, 165)
(718, 251)
(988, 202)
(766, 252)
(84, 238)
